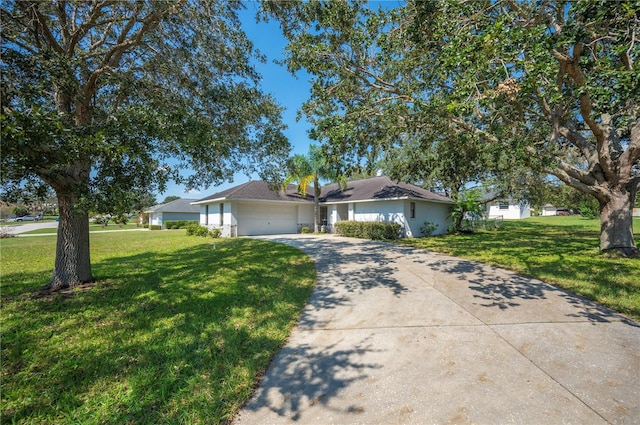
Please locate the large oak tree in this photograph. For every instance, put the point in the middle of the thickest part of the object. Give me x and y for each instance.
(104, 98)
(549, 85)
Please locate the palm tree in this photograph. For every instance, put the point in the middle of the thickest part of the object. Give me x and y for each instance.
(309, 169)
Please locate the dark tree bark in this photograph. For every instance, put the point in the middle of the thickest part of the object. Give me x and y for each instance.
(72, 265)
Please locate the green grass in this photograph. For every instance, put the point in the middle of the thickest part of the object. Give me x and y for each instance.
(172, 332)
(563, 251)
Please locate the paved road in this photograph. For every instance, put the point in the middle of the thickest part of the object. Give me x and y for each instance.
(394, 335)
(27, 227)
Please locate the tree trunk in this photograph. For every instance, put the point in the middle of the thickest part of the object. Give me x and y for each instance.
(316, 204)
(616, 223)
(72, 266)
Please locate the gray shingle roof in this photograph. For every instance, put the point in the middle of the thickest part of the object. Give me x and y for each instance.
(374, 188)
(258, 190)
(179, 205)
(378, 188)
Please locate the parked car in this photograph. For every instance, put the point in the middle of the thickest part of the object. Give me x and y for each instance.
(29, 218)
(563, 211)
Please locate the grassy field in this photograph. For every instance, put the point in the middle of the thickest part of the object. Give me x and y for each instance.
(559, 250)
(172, 332)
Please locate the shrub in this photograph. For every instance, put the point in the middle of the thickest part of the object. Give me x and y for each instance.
(197, 230)
(215, 233)
(428, 228)
(369, 230)
(155, 227)
(179, 224)
(588, 211)
(305, 229)
(120, 219)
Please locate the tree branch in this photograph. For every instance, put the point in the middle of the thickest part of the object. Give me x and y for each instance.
(94, 13)
(42, 24)
(576, 179)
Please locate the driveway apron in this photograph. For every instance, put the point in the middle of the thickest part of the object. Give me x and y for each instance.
(395, 335)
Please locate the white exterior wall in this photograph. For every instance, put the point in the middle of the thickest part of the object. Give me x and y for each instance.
(155, 219)
(305, 216)
(433, 212)
(514, 212)
(395, 211)
(381, 211)
(212, 220)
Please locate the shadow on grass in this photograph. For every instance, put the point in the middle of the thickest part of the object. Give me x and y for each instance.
(565, 255)
(163, 337)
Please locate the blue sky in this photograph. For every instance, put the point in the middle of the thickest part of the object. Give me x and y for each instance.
(289, 91)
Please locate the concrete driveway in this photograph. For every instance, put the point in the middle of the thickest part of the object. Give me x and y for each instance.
(394, 335)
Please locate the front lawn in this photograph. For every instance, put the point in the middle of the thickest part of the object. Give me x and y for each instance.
(559, 250)
(174, 331)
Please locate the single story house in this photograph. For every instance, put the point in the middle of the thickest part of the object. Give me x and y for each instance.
(255, 208)
(180, 209)
(508, 209)
(548, 209)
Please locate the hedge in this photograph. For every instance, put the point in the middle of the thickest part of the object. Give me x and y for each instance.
(369, 230)
(194, 229)
(179, 224)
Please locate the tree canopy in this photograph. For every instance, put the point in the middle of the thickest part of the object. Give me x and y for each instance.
(551, 86)
(104, 99)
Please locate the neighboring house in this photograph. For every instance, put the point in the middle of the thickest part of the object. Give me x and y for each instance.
(180, 209)
(548, 209)
(253, 208)
(508, 209)
(636, 212)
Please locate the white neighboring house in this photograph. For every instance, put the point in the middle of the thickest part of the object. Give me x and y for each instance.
(180, 209)
(508, 209)
(548, 210)
(253, 208)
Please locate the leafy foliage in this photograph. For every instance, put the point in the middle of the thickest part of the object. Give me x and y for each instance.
(308, 170)
(195, 229)
(369, 230)
(468, 205)
(547, 86)
(103, 100)
(428, 228)
(179, 224)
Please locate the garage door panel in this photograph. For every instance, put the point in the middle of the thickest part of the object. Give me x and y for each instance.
(257, 219)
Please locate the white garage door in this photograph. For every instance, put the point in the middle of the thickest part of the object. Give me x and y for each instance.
(261, 219)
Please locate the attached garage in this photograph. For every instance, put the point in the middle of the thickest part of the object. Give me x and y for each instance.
(258, 208)
(266, 219)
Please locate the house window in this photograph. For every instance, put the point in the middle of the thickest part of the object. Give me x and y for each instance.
(503, 205)
(221, 214)
(206, 215)
(413, 209)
